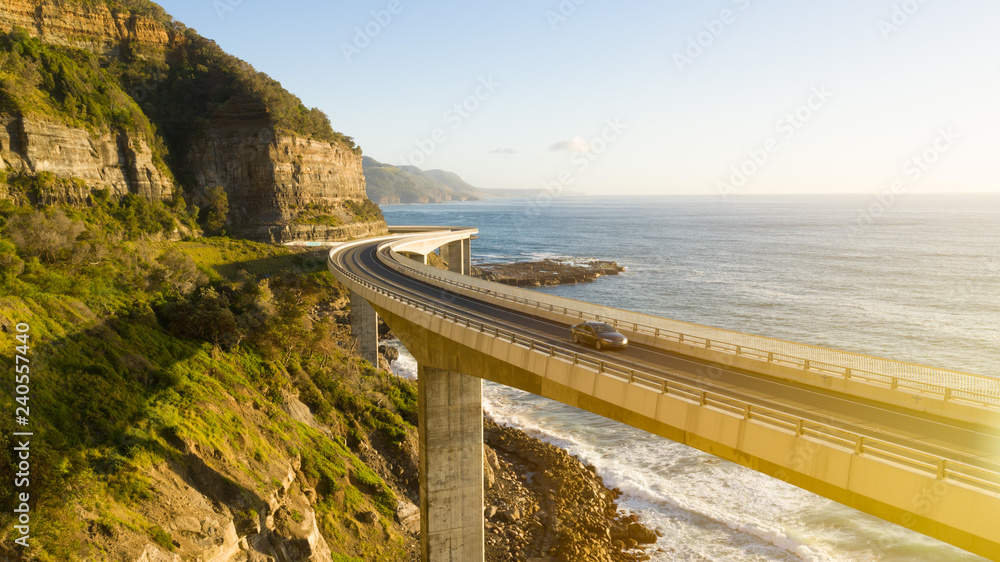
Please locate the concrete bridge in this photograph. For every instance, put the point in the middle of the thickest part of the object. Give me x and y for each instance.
(913, 445)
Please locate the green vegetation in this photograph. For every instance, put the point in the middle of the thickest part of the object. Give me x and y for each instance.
(213, 216)
(161, 537)
(69, 85)
(183, 92)
(143, 8)
(154, 360)
(340, 214)
(324, 220)
(149, 357)
(409, 184)
(127, 217)
(365, 211)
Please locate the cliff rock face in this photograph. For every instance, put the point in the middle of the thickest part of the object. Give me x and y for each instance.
(118, 162)
(94, 27)
(209, 518)
(280, 186)
(272, 178)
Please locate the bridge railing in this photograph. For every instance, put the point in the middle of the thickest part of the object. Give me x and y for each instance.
(944, 384)
(983, 475)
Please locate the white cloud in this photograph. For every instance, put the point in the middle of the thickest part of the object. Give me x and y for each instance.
(503, 151)
(575, 144)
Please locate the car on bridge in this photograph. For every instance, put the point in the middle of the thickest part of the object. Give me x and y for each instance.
(598, 334)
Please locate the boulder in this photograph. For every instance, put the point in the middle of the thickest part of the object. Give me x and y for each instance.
(641, 534)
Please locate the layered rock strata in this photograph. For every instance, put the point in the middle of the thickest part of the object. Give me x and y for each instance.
(94, 27)
(273, 178)
(280, 186)
(119, 161)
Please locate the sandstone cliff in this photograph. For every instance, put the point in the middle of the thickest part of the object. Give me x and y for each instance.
(275, 181)
(286, 174)
(94, 27)
(118, 162)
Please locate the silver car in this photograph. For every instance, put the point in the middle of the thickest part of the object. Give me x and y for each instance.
(598, 334)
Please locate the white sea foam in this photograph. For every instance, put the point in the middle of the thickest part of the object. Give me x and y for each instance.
(406, 366)
(643, 473)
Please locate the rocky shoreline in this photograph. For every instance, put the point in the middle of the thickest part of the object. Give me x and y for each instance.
(545, 273)
(545, 505)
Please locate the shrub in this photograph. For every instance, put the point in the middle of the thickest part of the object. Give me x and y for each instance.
(175, 273)
(161, 537)
(49, 236)
(10, 265)
(139, 215)
(365, 210)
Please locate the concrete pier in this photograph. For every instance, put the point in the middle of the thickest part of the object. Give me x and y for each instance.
(450, 408)
(364, 328)
(458, 255)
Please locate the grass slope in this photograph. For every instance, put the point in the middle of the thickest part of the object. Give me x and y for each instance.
(151, 357)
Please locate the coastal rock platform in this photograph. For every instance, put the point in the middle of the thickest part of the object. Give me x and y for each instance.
(547, 272)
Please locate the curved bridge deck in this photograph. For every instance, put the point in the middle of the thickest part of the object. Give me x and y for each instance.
(932, 466)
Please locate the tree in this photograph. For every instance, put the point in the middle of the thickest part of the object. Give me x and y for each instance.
(215, 213)
(175, 272)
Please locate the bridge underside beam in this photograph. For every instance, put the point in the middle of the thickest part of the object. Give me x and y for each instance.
(450, 407)
(364, 328)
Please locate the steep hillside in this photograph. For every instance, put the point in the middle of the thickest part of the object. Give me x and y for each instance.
(201, 400)
(115, 95)
(191, 400)
(392, 185)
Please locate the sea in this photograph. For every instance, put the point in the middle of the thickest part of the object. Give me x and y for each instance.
(915, 277)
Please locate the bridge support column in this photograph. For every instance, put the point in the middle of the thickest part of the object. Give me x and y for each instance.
(450, 407)
(364, 328)
(458, 254)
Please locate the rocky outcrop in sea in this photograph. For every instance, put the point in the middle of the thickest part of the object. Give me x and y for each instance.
(546, 272)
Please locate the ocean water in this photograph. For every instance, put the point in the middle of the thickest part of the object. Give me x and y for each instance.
(917, 281)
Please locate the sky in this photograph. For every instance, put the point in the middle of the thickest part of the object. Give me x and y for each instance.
(727, 97)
